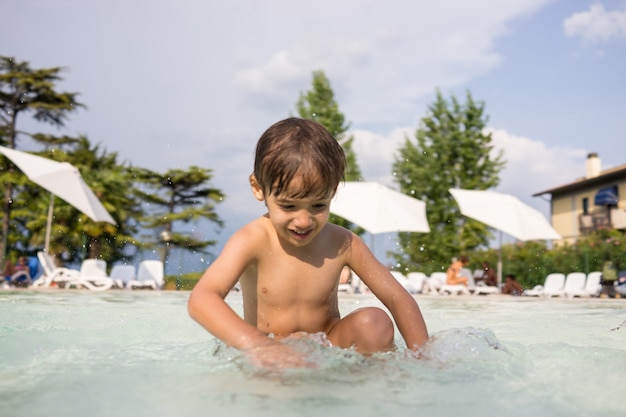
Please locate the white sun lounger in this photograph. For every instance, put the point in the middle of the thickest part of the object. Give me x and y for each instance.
(415, 282)
(454, 289)
(150, 274)
(457, 289)
(574, 281)
(93, 275)
(434, 282)
(122, 274)
(67, 278)
(553, 285)
(591, 288)
(485, 290)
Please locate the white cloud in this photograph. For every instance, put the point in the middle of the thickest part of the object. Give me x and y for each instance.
(375, 153)
(380, 62)
(533, 167)
(596, 25)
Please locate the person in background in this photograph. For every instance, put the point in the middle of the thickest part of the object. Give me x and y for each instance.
(511, 286)
(454, 270)
(17, 275)
(489, 276)
(609, 276)
(620, 285)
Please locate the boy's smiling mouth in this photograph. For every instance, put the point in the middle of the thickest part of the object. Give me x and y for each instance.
(301, 234)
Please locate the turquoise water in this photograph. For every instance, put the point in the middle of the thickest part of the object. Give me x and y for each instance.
(122, 353)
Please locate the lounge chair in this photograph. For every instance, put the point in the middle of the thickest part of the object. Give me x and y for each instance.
(574, 281)
(122, 275)
(150, 274)
(481, 288)
(93, 275)
(591, 288)
(66, 277)
(434, 282)
(456, 289)
(17, 279)
(415, 282)
(53, 275)
(485, 290)
(478, 274)
(553, 285)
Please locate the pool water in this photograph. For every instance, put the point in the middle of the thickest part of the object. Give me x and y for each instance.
(123, 353)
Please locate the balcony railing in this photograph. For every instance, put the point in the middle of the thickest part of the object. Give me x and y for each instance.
(614, 219)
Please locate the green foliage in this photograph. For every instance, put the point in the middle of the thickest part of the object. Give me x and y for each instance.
(182, 282)
(27, 90)
(23, 89)
(178, 196)
(450, 150)
(319, 104)
(74, 236)
(532, 261)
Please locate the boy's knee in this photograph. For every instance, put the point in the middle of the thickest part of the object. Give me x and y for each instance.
(376, 331)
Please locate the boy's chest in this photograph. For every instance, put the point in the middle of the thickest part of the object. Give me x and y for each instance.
(285, 280)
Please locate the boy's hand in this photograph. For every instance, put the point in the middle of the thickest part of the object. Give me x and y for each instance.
(276, 355)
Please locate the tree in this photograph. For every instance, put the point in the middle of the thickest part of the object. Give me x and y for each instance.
(319, 104)
(24, 90)
(451, 150)
(178, 196)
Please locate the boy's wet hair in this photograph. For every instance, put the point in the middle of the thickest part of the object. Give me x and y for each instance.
(298, 147)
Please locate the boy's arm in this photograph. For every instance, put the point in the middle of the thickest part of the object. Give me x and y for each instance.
(206, 303)
(399, 302)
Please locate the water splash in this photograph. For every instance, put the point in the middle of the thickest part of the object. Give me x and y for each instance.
(463, 344)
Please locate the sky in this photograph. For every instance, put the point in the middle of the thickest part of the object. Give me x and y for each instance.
(170, 84)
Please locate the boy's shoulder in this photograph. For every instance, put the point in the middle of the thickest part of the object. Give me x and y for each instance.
(258, 227)
(337, 231)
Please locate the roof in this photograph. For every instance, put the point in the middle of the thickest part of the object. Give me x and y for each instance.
(604, 178)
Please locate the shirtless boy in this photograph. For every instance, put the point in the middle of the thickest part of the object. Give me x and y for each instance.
(289, 261)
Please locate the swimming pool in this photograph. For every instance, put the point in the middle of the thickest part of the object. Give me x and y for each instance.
(123, 353)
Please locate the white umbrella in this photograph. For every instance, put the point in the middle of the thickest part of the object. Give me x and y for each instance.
(379, 209)
(505, 213)
(61, 179)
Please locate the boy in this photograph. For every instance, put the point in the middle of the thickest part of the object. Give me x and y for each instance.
(288, 261)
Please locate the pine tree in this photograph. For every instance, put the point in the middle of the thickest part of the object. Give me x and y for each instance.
(178, 196)
(27, 90)
(450, 150)
(319, 104)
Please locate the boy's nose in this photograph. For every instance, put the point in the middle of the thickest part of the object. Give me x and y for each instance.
(303, 219)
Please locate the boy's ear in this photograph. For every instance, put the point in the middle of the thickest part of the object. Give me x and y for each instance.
(256, 189)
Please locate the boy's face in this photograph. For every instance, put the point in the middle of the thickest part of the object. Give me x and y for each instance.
(296, 220)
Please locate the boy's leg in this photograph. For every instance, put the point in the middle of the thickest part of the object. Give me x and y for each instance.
(368, 329)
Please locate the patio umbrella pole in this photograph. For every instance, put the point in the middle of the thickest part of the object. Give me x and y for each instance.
(49, 223)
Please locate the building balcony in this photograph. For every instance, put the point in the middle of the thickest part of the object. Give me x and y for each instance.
(614, 219)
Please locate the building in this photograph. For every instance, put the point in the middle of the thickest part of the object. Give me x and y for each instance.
(596, 200)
